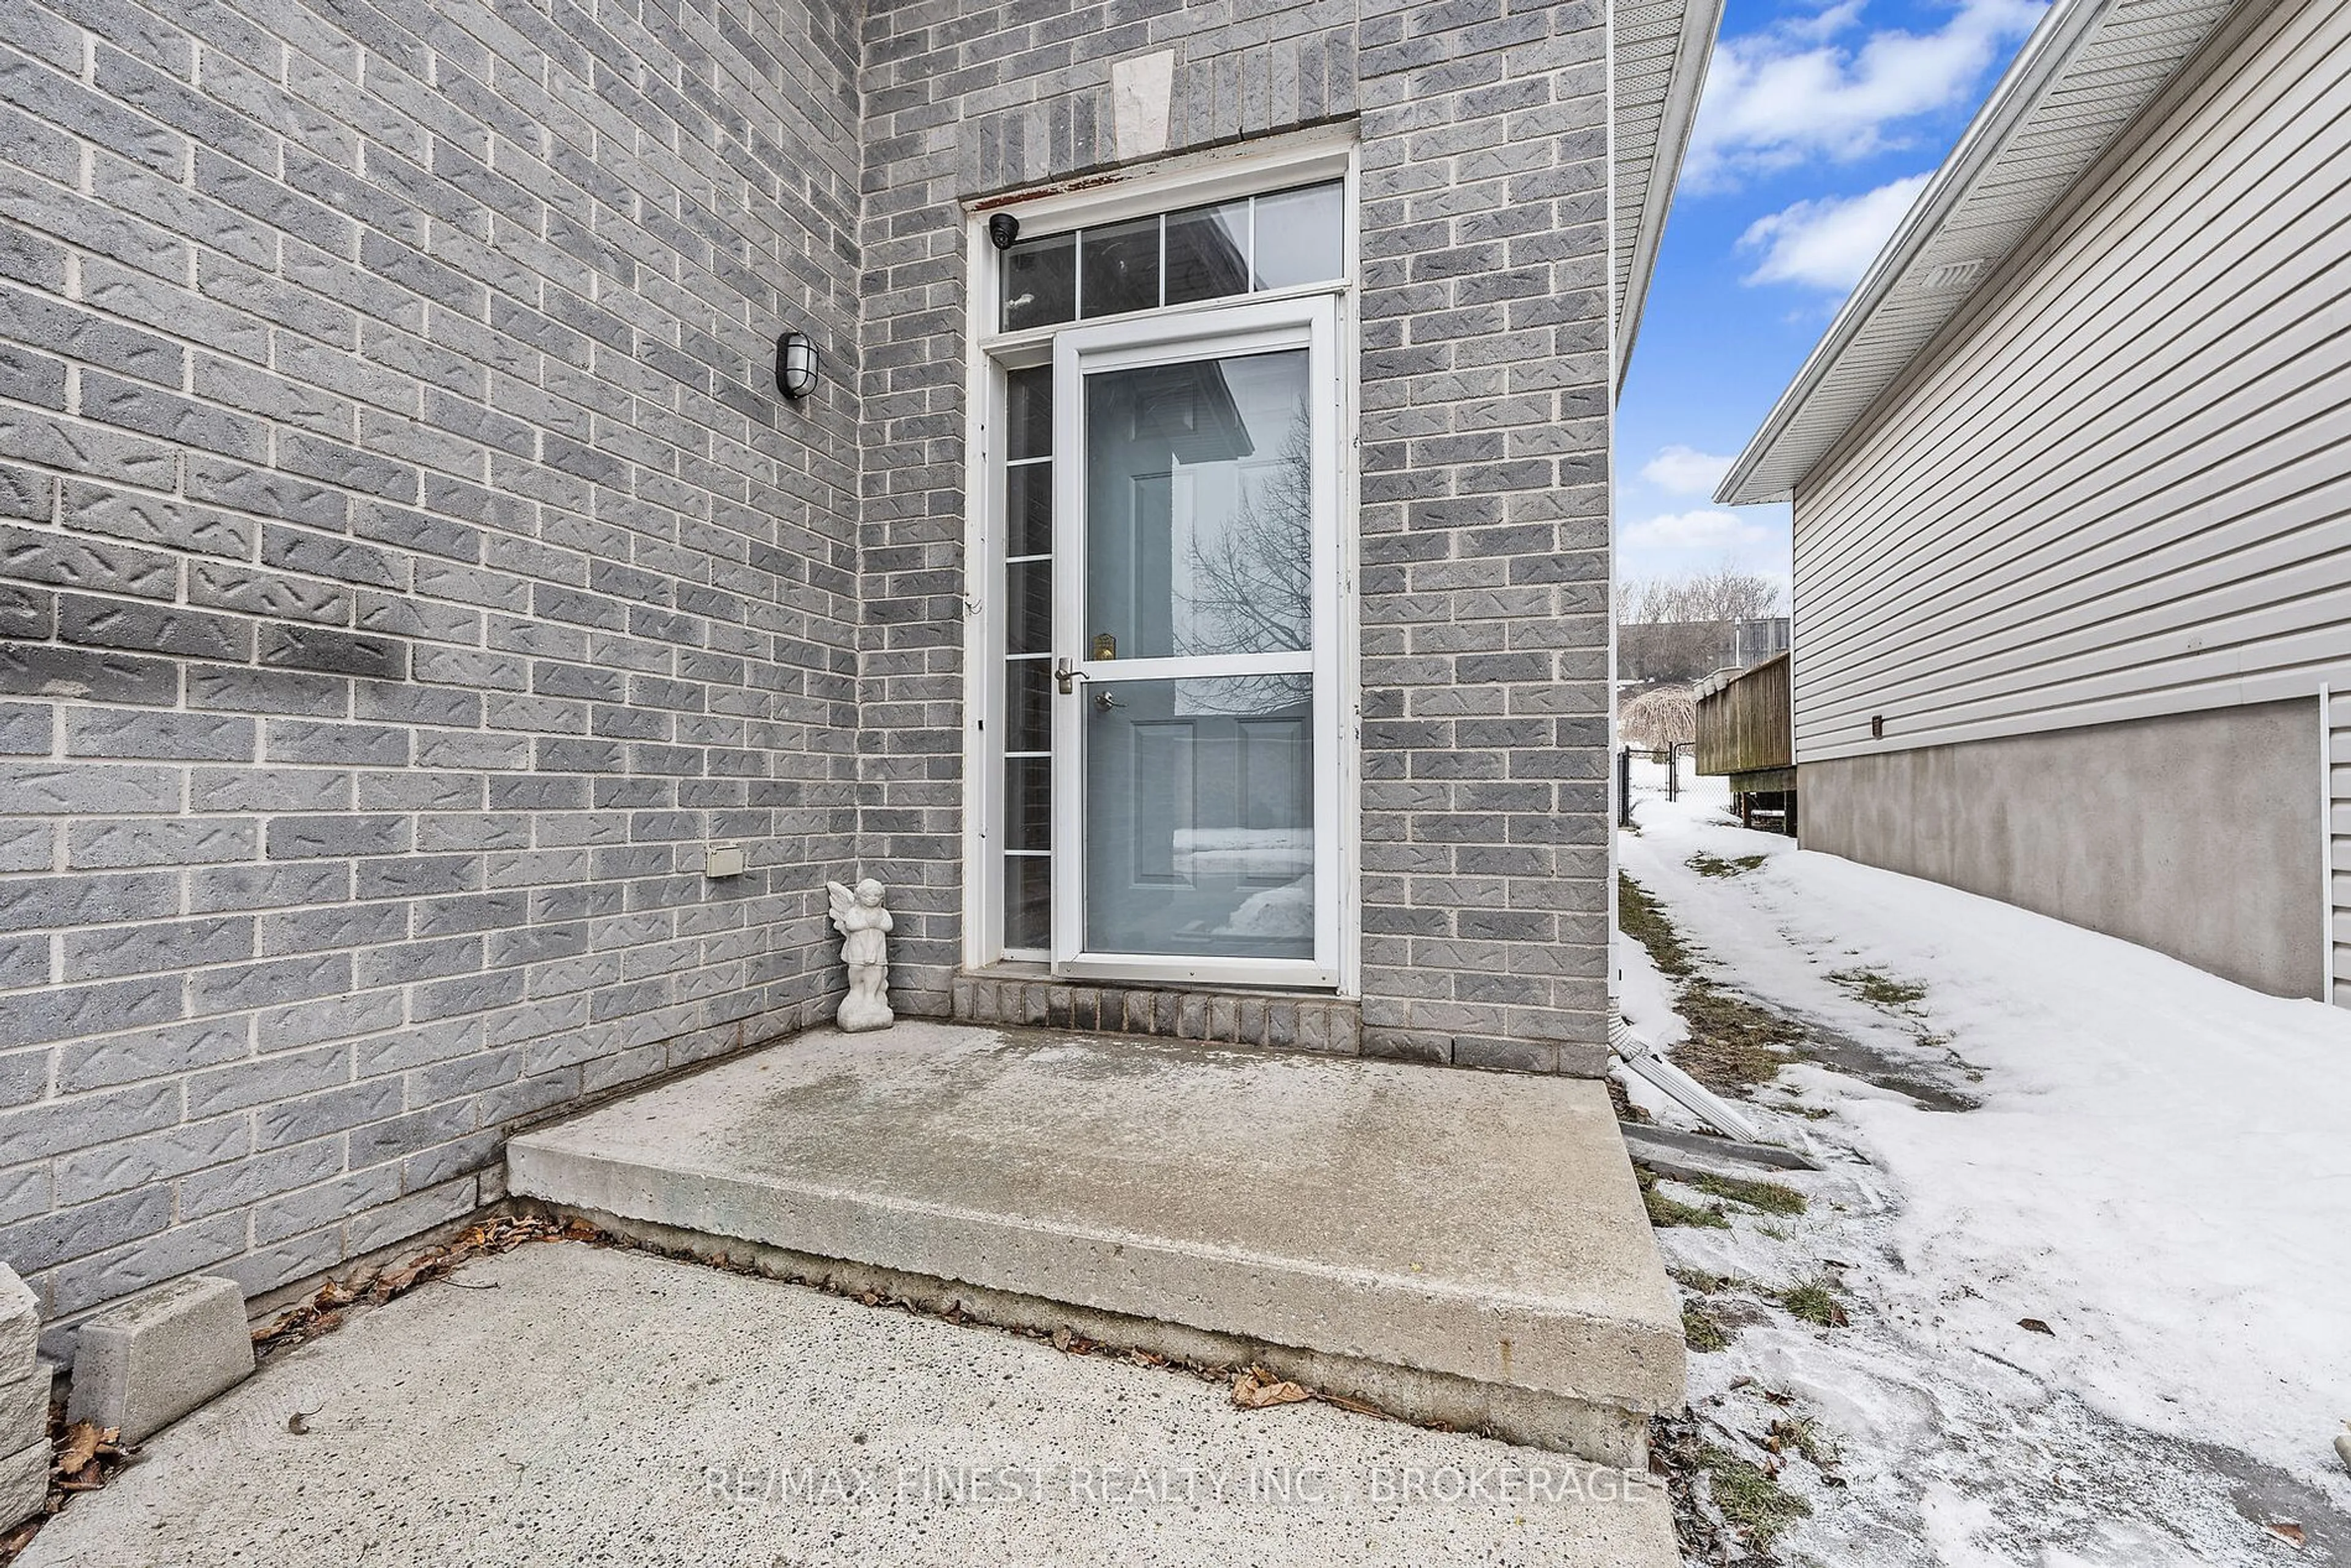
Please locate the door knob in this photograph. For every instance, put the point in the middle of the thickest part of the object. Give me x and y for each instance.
(1064, 672)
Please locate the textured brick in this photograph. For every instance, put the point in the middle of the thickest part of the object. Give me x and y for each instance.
(132, 734)
(297, 647)
(115, 950)
(160, 521)
(87, 674)
(80, 788)
(159, 842)
(148, 1053)
(82, 1121)
(92, 1225)
(66, 1012)
(29, 555)
(146, 1163)
(308, 838)
(110, 1276)
(295, 1121)
(26, 728)
(322, 1205)
(249, 1181)
(27, 613)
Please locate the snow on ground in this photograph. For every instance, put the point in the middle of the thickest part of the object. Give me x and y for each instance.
(2159, 1170)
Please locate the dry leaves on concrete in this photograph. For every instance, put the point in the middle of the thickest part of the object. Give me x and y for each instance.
(1256, 1389)
(76, 1466)
(83, 1458)
(323, 1313)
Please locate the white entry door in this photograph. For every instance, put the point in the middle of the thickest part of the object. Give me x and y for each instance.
(1195, 593)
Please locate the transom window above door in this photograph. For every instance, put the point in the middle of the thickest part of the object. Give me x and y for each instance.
(1250, 245)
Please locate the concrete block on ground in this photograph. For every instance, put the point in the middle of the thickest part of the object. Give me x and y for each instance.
(24, 1482)
(147, 1360)
(20, 1326)
(25, 1411)
(24, 1430)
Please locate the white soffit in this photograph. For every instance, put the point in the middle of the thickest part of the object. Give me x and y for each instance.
(1660, 50)
(2087, 70)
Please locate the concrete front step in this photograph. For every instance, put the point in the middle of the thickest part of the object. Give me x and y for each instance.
(1455, 1246)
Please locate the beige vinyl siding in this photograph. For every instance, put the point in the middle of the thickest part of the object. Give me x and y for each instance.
(2339, 831)
(2124, 488)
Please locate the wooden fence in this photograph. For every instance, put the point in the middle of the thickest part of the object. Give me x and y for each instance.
(1746, 727)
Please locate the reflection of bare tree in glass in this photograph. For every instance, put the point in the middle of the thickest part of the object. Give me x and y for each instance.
(1253, 581)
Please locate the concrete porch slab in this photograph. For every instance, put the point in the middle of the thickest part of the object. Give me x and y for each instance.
(1457, 1247)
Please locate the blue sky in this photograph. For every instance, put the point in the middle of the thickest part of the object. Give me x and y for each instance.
(1822, 119)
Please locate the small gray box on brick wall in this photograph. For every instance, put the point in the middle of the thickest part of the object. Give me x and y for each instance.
(149, 1360)
(24, 1404)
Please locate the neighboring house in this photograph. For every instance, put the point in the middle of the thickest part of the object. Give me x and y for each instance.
(412, 572)
(1653, 650)
(2072, 498)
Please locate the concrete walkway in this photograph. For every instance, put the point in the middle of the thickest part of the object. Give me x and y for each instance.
(570, 1405)
(1464, 1247)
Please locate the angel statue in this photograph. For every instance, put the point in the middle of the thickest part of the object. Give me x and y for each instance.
(861, 920)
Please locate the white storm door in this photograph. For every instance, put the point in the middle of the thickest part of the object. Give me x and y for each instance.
(1196, 594)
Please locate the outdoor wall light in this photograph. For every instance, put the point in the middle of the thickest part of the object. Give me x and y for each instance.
(795, 365)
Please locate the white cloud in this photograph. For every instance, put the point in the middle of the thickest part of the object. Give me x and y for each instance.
(1795, 93)
(1685, 471)
(1830, 241)
(1707, 530)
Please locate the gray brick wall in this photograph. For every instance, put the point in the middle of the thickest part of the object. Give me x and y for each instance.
(1485, 519)
(406, 563)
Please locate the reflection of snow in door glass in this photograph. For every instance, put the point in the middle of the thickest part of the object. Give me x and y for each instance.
(1200, 824)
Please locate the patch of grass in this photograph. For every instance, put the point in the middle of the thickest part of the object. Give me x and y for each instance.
(1802, 1434)
(1699, 1279)
(1768, 1196)
(1706, 865)
(1816, 1302)
(1734, 1044)
(1880, 990)
(1640, 917)
(1666, 1212)
(1704, 1333)
(1761, 1508)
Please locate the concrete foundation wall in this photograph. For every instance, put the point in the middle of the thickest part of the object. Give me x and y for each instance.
(2338, 854)
(2199, 835)
(1484, 523)
(406, 563)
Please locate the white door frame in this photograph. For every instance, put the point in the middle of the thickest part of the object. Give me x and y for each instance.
(1261, 326)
